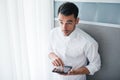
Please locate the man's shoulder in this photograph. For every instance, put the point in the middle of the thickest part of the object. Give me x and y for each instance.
(55, 32)
(86, 36)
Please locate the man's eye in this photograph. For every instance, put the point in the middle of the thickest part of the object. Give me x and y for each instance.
(61, 22)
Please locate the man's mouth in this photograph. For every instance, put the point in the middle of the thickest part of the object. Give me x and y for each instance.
(65, 31)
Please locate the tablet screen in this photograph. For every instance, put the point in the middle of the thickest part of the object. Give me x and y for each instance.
(62, 70)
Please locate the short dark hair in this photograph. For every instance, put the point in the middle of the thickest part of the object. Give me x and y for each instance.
(68, 8)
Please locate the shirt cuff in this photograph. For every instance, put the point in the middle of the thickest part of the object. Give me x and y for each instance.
(92, 69)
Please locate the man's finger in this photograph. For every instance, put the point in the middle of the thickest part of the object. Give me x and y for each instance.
(60, 62)
(71, 72)
(57, 62)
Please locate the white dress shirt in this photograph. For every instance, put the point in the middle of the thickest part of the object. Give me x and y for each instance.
(75, 50)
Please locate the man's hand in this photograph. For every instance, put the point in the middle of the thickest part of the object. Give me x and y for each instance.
(82, 70)
(56, 61)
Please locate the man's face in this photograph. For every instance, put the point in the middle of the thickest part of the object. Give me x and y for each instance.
(67, 23)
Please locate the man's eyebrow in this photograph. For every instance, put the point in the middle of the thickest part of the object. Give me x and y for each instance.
(69, 21)
(60, 20)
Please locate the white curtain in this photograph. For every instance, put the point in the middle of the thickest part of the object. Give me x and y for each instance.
(24, 30)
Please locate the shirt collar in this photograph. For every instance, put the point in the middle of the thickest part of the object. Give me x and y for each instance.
(72, 35)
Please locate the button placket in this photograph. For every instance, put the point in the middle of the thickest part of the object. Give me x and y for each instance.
(67, 41)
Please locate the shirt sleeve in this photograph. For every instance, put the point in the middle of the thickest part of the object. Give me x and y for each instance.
(93, 58)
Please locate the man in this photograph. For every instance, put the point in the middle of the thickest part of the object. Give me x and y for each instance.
(70, 46)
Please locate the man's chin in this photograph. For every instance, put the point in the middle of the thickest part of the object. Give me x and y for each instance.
(66, 34)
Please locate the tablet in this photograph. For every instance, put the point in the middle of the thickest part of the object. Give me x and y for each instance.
(62, 70)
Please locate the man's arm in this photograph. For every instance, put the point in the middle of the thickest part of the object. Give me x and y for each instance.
(94, 62)
(56, 61)
(81, 70)
(93, 58)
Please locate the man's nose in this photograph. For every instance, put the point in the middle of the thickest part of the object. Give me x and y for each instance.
(64, 26)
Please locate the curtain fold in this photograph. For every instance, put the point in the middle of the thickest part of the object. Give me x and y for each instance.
(26, 28)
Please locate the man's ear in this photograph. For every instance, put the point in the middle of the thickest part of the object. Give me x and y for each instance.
(77, 20)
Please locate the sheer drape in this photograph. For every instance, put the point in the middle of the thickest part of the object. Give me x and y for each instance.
(24, 29)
